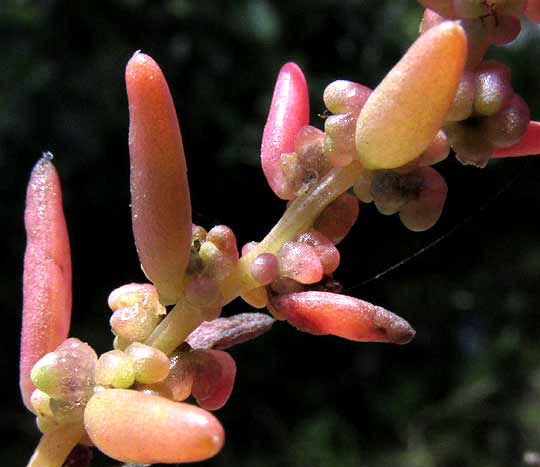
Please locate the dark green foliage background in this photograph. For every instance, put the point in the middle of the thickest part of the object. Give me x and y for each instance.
(465, 392)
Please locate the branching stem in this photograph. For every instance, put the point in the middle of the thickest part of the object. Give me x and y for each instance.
(299, 216)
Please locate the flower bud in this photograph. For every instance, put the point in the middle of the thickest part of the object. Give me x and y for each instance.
(508, 126)
(179, 381)
(423, 212)
(300, 262)
(324, 249)
(149, 364)
(343, 96)
(265, 268)
(134, 323)
(130, 294)
(492, 88)
(67, 374)
(115, 369)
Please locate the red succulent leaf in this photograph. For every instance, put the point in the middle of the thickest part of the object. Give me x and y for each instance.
(47, 272)
(289, 111)
(213, 382)
(343, 316)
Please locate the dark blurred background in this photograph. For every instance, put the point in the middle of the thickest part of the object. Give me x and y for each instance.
(465, 392)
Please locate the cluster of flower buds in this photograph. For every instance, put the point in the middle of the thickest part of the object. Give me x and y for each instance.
(377, 146)
(486, 113)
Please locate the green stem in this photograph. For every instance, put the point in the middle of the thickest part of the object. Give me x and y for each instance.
(55, 446)
(299, 217)
(175, 327)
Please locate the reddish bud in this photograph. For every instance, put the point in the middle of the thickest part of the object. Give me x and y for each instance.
(326, 251)
(299, 261)
(423, 212)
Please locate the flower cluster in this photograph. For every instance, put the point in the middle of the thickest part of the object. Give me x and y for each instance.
(376, 146)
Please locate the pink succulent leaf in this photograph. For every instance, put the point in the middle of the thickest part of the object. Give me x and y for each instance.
(223, 333)
(47, 272)
(139, 428)
(289, 111)
(339, 315)
(214, 377)
(160, 201)
(528, 145)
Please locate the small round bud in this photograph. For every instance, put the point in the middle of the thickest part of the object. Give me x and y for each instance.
(219, 252)
(299, 261)
(492, 88)
(150, 364)
(134, 323)
(130, 294)
(265, 268)
(115, 369)
(324, 248)
(468, 141)
(506, 127)
(180, 378)
(224, 239)
(67, 374)
(391, 191)
(423, 212)
(340, 144)
(345, 96)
